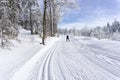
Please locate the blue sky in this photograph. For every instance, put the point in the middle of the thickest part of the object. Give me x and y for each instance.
(91, 13)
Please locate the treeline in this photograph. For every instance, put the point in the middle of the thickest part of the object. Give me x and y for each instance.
(40, 18)
(110, 31)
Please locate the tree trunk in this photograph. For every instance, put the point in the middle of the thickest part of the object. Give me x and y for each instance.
(2, 43)
(31, 25)
(54, 22)
(44, 22)
(51, 20)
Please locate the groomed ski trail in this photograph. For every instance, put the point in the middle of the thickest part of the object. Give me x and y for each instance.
(64, 61)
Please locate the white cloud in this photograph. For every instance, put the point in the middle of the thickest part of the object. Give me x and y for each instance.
(97, 17)
(72, 25)
(98, 21)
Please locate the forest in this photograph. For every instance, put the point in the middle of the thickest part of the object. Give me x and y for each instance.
(109, 31)
(39, 16)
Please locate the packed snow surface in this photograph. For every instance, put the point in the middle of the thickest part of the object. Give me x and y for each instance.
(80, 59)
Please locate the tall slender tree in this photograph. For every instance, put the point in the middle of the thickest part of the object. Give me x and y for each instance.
(44, 22)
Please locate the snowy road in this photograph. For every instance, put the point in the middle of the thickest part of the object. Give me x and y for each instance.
(74, 60)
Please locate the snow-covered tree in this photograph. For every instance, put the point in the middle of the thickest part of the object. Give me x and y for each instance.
(8, 21)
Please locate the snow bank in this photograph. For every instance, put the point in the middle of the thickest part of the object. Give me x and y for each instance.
(12, 59)
(27, 68)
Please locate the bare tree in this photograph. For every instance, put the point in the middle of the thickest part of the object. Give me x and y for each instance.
(44, 22)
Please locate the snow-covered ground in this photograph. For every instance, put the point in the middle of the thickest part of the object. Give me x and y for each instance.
(12, 58)
(80, 59)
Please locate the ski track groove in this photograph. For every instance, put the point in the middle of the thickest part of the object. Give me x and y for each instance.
(78, 65)
(45, 68)
(82, 74)
(96, 50)
(89, 51)
(61, 69)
